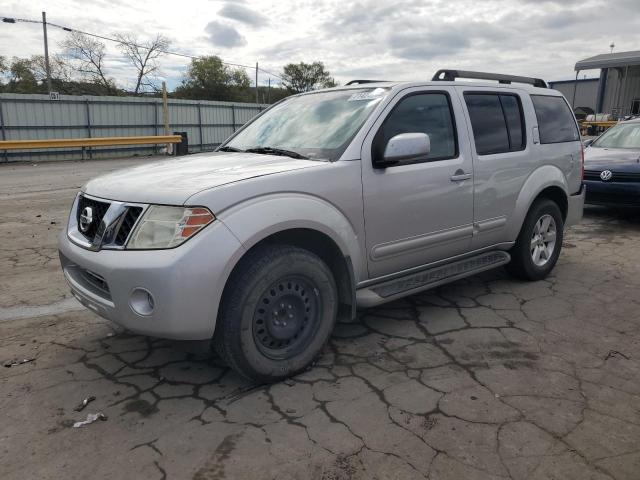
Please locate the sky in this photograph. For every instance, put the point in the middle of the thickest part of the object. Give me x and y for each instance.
(389, 40)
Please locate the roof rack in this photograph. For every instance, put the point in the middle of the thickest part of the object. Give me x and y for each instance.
(451, 75)
(359, 82)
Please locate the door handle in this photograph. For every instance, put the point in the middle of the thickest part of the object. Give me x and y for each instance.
(536, 135)
(460, 177)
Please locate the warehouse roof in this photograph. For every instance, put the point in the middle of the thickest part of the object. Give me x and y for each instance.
(607, 60)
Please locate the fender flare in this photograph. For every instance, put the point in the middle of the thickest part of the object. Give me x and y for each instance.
(257, 218)
(543, 177)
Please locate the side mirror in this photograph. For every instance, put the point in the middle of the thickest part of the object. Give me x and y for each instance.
(588, 142)
(404, 148)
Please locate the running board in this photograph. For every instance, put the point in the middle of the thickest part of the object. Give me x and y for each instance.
(432, 277)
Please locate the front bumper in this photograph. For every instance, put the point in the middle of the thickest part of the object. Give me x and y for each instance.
(186, 282)
(613, 193)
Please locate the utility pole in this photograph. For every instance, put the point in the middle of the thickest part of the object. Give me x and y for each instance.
(46, 50)
(257, 97)
(165, 109)
(165, 116)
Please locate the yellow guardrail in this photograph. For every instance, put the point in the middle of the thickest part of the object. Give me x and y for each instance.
(88, 142)
(607, 123)
(597, 126)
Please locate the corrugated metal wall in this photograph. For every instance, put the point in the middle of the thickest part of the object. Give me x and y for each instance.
(28, 117)
(586, 93)
(621, 91)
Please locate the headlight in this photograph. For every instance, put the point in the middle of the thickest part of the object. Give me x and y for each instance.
(167, 227)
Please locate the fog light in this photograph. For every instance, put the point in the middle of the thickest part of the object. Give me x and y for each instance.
(141, 302)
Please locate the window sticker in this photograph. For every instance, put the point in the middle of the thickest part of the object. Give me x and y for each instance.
(367, 95)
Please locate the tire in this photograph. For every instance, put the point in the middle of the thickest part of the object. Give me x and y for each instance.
(543, 216)
(278, 311)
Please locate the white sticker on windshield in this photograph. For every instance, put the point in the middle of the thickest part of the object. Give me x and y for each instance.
(367, 95)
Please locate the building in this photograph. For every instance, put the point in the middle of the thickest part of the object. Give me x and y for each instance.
(586, 92)
(616, 91)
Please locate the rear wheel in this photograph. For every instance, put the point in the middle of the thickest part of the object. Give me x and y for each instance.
(278, 311)
(538, 246)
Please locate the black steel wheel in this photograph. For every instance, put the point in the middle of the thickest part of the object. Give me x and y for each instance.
(286, 318)
(277, 312)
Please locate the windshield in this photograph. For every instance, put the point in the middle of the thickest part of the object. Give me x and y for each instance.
(318, 125)
(620, 136)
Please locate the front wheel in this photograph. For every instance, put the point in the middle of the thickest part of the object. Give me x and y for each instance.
(278, 311)
(538, 246)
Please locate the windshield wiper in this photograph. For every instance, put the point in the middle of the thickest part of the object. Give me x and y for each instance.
(276, 151)
(229, 149)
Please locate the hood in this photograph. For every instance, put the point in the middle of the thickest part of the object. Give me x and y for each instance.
(173, 181)
(614, 159)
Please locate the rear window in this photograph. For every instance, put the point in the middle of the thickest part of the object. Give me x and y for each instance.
(556, 122)
(497, 122)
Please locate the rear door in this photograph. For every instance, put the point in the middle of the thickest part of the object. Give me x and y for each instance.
(558, 141)
(502, 157)
(420, 212)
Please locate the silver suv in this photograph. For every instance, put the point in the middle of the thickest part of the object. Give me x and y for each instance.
(327, 201)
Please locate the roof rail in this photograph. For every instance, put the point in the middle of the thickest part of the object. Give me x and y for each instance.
(359, 82)
(451, 75)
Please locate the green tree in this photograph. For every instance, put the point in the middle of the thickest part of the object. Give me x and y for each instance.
(4, 69)
(22, 78)
(304, 77)
(208, 78)
(28, 75)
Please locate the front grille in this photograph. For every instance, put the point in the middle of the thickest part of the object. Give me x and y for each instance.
(99, 210)
(129, 220)
(594, 175)
(118, 218)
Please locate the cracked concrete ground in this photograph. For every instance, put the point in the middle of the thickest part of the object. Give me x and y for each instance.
(484, 378)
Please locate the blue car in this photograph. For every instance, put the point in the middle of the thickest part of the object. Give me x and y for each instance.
(612, 166)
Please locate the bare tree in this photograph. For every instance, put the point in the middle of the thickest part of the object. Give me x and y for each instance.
(143, 56)
(90, 55)
(59, 68)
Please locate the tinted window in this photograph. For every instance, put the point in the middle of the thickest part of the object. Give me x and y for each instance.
(496, 121)
(487, 121)
(555, 121)
(428, 113)
(513, 115)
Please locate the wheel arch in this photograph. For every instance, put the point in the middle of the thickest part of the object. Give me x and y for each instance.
(557, 195)
(326, 249)
(545, 182)
(304, 221)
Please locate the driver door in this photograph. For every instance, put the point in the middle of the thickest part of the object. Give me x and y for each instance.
(420, 212)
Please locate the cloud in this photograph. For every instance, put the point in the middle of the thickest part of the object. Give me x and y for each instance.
(223, 35)
(243, 14)
(425, 46)
(426, 41)
(358, 39)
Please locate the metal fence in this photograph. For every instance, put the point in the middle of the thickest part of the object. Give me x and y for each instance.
(36, 117)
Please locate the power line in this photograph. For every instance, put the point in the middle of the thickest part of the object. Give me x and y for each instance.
(272, 74)
(115, 40)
